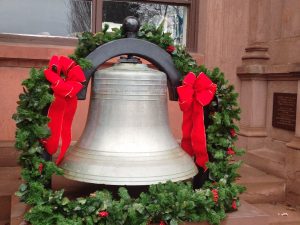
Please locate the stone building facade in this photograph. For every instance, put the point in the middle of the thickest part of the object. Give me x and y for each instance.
(270, 65)
(255, 42)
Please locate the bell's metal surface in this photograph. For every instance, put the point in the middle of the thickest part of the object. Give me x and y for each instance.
(127, 139)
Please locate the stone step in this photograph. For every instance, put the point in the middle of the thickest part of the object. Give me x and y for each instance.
(18, 209)
(280, 214)
(275, 145)
(5, 209)
(261, 187)
(8, 154)
(10, 180)
(267, 160)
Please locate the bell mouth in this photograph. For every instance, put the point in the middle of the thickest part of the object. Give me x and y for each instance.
(93, 167)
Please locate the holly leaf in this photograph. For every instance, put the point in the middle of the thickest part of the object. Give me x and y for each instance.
(138, 207)
(173, 222)
(81, 201)
(65, 201)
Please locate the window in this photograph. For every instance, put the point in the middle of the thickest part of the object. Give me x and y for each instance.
(64, 18)
(45, 17)
(172, 17)
(180, 16)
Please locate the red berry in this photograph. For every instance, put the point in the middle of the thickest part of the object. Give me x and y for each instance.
(230, 151)
(41, 166)
(232, 132)
(215, 195)
(170, 48)
(234, 205)
(103, 214)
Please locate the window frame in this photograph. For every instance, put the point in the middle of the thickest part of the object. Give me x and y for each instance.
(96, 23)
(192, 27)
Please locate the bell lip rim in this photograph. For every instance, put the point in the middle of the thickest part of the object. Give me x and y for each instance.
(183, 178)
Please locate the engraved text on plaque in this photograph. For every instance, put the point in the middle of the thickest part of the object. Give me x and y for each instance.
(284, 111)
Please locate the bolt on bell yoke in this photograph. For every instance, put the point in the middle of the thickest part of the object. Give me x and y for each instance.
(127, 139)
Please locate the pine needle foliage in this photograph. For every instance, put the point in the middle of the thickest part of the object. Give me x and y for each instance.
(171, 202)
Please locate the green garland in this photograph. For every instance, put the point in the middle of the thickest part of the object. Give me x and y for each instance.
(169, 203)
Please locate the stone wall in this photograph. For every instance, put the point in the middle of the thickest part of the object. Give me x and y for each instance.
(270, 65)
(16, 61)
(223, 35)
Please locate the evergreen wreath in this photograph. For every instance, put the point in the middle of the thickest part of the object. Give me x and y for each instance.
(168, 203)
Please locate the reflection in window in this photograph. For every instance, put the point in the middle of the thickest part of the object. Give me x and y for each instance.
(173, 17)
(45, 17)
(79, 15)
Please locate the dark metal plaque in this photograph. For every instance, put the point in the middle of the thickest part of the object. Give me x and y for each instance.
(284, 111)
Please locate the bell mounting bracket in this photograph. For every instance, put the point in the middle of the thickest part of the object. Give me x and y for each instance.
(132, 46)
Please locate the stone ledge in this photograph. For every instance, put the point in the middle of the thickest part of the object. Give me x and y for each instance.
(8, 154)
(38, 39)
(294, 144)
(29, 55)
(267, 160)
(261, 187)
(269, 72)
(10, 180)
(252, 131)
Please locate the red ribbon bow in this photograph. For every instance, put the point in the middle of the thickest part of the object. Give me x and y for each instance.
(194, 94)
(62, 110)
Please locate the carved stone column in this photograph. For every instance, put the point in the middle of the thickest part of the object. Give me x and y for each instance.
(254, 87)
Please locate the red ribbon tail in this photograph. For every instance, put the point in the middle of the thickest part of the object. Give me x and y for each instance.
(187, 126)
(199, 137)
(55, 114)
(66, 128)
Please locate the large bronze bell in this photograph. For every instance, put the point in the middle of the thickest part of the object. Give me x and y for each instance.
(127, 139)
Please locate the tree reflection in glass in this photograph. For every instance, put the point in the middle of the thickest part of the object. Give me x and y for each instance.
(172, 17)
